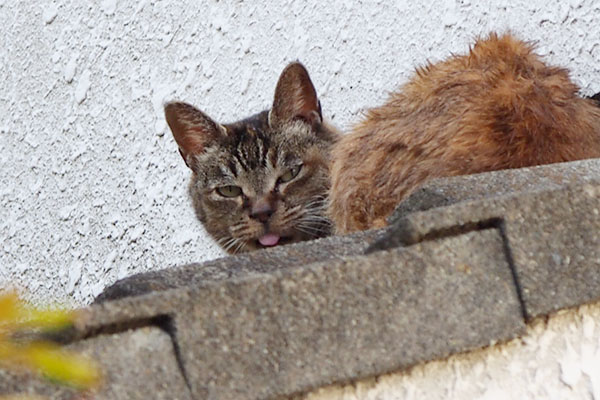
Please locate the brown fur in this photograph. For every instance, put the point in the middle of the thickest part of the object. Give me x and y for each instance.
(254, 155)
(497, 107)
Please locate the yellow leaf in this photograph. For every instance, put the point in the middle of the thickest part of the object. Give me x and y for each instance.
(9, 308)
(46, 319)
(47, 358)
(64, 367)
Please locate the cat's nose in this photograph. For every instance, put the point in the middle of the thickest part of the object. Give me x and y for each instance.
(262, 210)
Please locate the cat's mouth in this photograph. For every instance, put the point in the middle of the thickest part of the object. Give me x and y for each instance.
(269, 239)
(272, 239)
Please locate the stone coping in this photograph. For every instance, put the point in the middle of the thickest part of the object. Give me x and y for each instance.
(467, 270)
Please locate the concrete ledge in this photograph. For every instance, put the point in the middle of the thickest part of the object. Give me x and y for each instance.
(264, 261)
(337, 321)
(300, 328)
(448, 191)
(552, 238)
(26, 384)
(136, 364)
(287, 320)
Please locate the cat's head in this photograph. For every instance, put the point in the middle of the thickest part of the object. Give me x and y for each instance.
(262, 181)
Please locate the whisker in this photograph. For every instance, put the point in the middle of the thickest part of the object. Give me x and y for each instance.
(233, 242)
(316, 218)
(311, 225)
(240, 246)
(224, 241)
(311, 229)
(315, 206)
(311, 233)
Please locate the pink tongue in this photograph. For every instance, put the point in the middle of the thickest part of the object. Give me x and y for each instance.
(270, 239)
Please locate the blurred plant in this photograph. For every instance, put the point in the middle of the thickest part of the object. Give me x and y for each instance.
(21, 346)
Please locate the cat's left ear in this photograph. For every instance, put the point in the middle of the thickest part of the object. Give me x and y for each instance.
(295, 98)
(193, 130)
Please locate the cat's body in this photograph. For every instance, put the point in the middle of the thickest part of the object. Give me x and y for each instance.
(498, 107)
(262, 181)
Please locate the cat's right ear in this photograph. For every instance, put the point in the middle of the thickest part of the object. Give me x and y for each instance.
(295, 98)
(192, 129)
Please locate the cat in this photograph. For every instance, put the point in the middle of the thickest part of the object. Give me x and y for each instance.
(497, 107)
(595, 98)
(261, 181)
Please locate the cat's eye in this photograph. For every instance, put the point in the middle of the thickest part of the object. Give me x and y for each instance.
(290, 174)
(229, 191)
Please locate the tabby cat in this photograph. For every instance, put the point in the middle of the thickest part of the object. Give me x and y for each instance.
(500, 106)
(262, 181)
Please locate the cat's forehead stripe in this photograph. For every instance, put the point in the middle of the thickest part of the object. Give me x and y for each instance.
(260, 143)
(239, 157)
(252, 145)
(272, 155)
(251, 148)
(263, 148)
(233, 167)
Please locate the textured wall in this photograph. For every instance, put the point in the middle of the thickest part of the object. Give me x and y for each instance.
(91, 185)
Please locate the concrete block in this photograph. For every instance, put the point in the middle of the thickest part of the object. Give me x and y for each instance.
(446, 191)
(335, 321)
(136, 364)
(552, 238)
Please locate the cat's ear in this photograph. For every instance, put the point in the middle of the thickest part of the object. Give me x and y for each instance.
(295, 98)
(193, 130)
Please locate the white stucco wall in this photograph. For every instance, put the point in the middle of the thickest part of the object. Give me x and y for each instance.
(92, 187)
